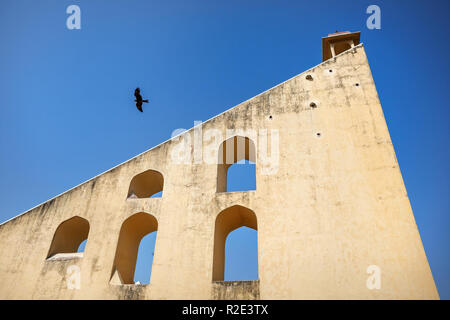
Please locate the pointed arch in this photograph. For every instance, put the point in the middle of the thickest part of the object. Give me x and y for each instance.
(228, 220)
(146, 184)
(68, 236)
(231, 151)
(131, 233)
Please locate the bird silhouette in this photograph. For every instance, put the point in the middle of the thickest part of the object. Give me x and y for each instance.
(139, 100)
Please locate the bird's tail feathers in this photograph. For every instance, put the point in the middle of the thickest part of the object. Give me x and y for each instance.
(145, 100)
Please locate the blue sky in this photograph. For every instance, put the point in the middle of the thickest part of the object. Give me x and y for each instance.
(65, 95)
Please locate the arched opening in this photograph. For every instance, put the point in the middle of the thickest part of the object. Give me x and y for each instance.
(241, 176)
(241, 255)
(131, 233)
(68, 236)
(82, 246)
(227, 221)
(144, 260)
(147, 184)
(239, 152)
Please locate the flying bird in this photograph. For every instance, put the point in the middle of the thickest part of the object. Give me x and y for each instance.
(139, 101)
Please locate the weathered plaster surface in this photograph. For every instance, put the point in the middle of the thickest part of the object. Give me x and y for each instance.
(336, 205)
(235, 290)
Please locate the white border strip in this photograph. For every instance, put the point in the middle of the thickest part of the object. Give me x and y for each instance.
(323, 62)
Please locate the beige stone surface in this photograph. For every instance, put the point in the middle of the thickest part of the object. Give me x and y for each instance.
(335, 205)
